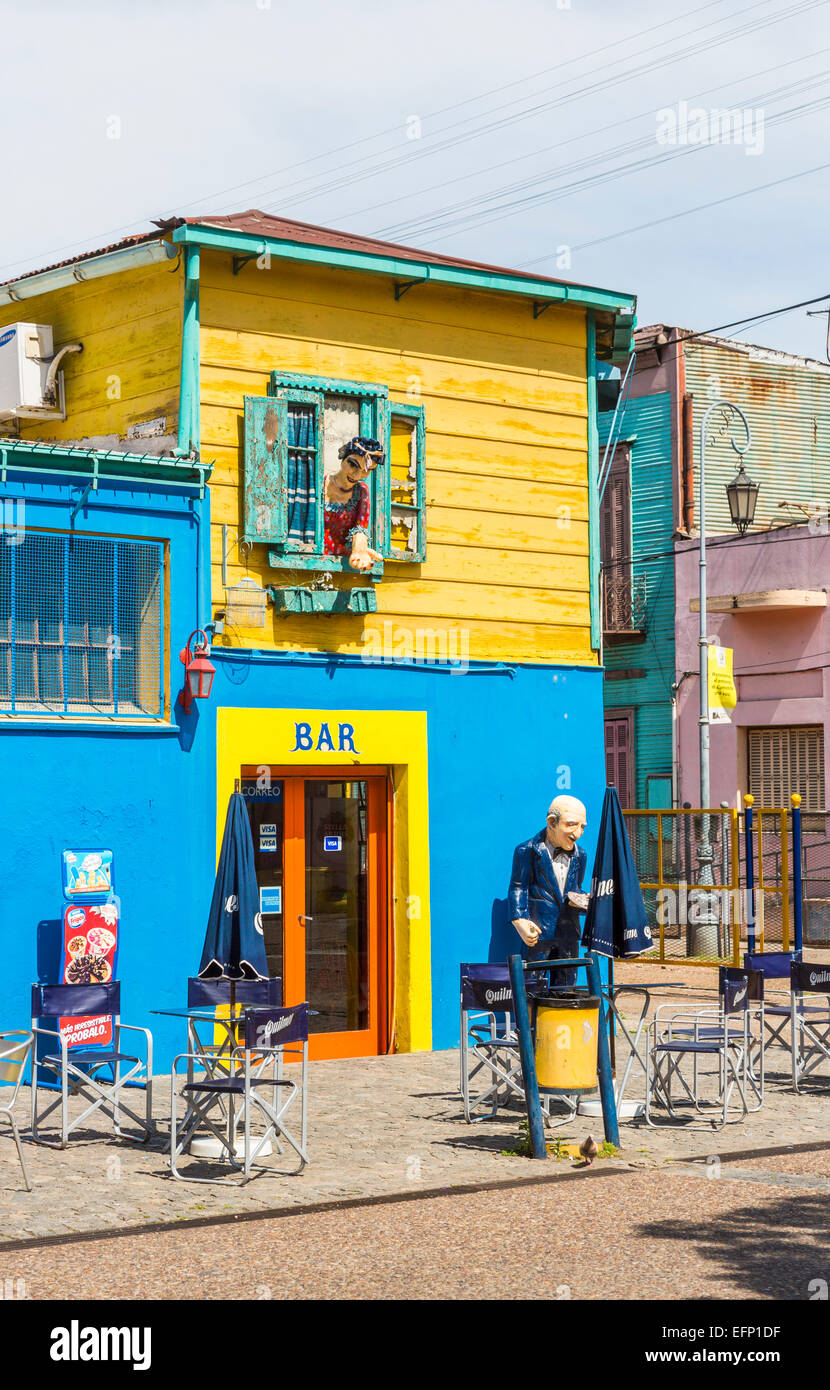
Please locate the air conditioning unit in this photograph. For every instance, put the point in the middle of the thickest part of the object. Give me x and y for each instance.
(26, 351)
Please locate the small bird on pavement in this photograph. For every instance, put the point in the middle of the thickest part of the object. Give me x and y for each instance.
(589, 1150)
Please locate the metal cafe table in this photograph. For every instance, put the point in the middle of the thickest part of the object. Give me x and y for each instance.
(216, 1058)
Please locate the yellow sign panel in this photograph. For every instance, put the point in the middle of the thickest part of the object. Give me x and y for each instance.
(723, 696)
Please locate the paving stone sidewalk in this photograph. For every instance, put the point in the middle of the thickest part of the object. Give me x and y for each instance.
(379, 1127)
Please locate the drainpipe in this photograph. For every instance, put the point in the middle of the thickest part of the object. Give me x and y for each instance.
(189, 373)
(593, 481)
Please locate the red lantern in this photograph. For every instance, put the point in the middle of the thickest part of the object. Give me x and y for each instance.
(198, 671)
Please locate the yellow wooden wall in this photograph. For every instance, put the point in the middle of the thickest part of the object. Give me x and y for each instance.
(505, 400)
(130, 325)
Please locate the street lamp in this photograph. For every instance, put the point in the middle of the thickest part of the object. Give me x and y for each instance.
(742, 494)
(198, 671)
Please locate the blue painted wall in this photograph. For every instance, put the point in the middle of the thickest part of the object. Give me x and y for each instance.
(149, 796)
(501, 747)
(498, 750)
(652, 527)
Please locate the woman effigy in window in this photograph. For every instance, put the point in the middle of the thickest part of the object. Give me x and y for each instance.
(347, 505)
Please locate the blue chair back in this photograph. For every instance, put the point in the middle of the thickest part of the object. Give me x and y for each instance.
(206, 994)
(271, 1027)
(734, 989)
(76, 1001)
(486, 986)
(809, 977)
(773, 965)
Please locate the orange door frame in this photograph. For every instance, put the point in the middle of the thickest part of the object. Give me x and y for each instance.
(371, 1041)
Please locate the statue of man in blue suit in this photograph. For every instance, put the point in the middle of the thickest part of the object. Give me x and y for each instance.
(545, 895)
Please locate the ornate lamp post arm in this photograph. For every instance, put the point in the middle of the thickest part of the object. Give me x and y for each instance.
(730, 414)
(706, 935)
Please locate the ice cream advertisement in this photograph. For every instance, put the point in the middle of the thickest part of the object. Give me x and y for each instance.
(87, 874)
(89, 949)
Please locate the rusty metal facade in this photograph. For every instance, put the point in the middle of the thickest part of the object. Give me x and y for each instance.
(786, 400)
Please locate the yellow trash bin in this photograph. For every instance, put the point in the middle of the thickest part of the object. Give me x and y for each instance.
(567, 1028)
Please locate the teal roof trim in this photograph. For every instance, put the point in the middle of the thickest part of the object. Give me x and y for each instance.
(583, 296)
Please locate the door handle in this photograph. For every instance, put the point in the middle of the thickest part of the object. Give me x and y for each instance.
(301, 917)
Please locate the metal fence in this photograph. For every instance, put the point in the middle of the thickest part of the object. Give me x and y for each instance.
(719, 881)
(694, 913)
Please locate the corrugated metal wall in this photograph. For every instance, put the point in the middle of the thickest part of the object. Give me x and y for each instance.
(652, 524)
(788, 410)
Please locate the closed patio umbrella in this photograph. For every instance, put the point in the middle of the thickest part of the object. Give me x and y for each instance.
(234, 946)
(616, 924)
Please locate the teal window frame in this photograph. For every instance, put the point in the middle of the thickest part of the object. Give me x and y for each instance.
(287, 388)
(415, 413)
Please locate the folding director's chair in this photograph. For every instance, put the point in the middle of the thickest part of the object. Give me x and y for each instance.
(269, 1032)
(489, 1043)
(810, 1026)
(723, 1035)
(15, 1051)
(80, 1071)
(777, 1010)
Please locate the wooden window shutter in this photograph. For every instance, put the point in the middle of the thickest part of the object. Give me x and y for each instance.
(618, 758)
(265, 513)
(615, 546)
(786, 760)
(616, 511)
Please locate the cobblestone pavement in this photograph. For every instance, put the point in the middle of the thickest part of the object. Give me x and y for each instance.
(384, 1126)
(593, 1234)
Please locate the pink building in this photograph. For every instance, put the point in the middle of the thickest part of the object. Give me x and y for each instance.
(767, 600)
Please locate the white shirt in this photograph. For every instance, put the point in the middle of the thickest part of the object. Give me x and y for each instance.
(561, 861)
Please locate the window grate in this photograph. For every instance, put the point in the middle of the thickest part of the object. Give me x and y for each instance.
(80, 626)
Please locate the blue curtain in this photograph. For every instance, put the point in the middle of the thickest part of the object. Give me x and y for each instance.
(302, 469)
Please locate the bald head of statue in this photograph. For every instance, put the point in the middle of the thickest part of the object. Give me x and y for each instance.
(566, 821)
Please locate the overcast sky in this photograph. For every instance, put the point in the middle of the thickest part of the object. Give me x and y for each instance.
(539, 134)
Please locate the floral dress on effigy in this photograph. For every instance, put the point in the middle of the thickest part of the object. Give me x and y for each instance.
(344, 520)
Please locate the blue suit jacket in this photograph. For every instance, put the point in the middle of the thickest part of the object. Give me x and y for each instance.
(534, 891)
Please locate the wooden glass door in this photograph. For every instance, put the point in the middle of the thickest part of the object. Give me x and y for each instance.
(320, 848)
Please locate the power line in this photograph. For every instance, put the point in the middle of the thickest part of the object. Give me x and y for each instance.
(107, 236)
(686, 212)
(346, 178)
(713, 41)
(469, 219)
(770, 314)
(468, 101)
(587, 135)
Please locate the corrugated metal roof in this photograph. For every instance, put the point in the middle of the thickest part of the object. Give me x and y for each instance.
(256, 223)
(786, 401)
(134, 240)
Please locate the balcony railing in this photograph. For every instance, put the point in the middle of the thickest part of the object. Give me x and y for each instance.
(623, 599)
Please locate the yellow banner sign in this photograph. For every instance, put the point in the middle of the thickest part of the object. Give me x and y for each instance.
(723, 696)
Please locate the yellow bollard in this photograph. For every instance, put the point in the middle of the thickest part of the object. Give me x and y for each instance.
(567, 1028)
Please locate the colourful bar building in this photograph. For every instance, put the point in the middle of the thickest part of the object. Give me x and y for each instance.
(396, 729)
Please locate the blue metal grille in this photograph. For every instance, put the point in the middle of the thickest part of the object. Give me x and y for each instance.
(81, 623)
